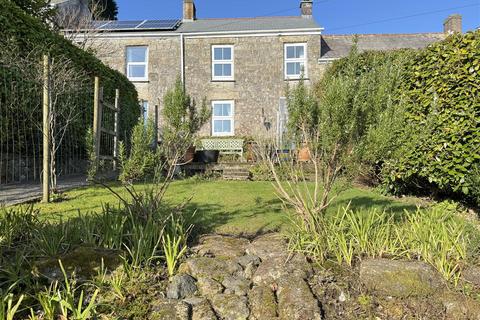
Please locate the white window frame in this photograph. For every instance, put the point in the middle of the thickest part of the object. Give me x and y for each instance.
(145, 78)
(231, 62)
(231, 118)
(304, 60)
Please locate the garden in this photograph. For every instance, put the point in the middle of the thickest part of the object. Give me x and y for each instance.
(379, 221)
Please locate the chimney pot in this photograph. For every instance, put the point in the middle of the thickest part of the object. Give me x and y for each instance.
(189, 10)
(306, 7)
(453, 24)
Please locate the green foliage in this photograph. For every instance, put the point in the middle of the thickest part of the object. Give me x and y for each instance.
(142, 159)
(436, 236)
(441, 141)
(37, 8)
(9, 307)
(302, 112)
(33, 39)
(182, 117)
(175, 242)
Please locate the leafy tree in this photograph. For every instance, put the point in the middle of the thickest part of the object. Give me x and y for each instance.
(37, 8)
(108, 11)
(182, 119)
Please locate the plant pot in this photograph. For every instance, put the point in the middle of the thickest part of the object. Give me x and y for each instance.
(303, 154)
(207, 156)
(189, 154)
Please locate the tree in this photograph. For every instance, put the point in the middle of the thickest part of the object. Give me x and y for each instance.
(109, 9)
(40, 9)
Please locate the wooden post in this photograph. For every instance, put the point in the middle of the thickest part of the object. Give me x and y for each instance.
(155, 143)
(116, 138)
(97, 116)
(46, 129)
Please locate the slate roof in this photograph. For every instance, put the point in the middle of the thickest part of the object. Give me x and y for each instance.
(248, 24)
(338, 46)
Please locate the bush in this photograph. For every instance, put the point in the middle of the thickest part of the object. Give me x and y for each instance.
(441, 142)
(32, 38)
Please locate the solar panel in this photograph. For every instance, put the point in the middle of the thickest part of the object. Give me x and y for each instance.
(136, 25)
(121, 25)
(159, 24)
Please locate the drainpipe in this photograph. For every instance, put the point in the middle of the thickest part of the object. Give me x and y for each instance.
(182, 59)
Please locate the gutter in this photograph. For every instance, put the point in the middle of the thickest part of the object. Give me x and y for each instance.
(182, 59)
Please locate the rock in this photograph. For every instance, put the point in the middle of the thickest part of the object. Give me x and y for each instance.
(166, 309)
(230, 306)
(272, 245)
(86, 262)
(262, 303)
(459, 307)
(209, 287)
(238, 286)
(221, 246)
(271, 270)
(248, 259)
(472, 275)
(399, 278)
(201, 309)
(296, 300)
(215, 268)
(181, 286)
(249, 270)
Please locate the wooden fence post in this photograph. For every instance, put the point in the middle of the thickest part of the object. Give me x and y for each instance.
(116, 138)
(46, 129)
(97, 116)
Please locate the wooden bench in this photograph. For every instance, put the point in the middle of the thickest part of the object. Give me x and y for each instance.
(225, 146)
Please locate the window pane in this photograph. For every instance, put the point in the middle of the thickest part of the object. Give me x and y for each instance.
(290, 52)
(217, 54)
(300, 52)
(218, 70)
(227, 54)
(136, 54)
(227, 70)
(291, 68)
(227, 108)
(136, 71)
(217, 110)
(227, 126)
(217, 126)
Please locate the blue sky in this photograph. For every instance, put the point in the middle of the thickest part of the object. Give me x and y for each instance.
(336, 16)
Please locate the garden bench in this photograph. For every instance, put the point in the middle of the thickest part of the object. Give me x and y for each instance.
(225, 146)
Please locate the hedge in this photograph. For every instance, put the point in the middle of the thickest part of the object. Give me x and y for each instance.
(28, 33)
(441, 139)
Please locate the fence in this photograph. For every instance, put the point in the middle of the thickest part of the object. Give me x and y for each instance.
(45, 112)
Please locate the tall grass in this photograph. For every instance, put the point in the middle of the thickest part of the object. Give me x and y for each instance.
(436, 236)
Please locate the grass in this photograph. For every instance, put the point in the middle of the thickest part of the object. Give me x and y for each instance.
(222, 206)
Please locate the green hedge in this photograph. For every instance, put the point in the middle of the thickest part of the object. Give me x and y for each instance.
(441, 138)
(29, 33)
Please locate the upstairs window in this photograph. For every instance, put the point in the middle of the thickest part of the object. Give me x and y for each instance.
(295, 60)
(137, 63)
(222, 118)
(222, 63)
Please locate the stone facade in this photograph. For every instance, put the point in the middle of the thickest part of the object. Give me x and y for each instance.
(259, 80)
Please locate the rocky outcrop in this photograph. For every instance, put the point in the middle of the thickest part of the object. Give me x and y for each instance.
(399, 278)
(181, 286)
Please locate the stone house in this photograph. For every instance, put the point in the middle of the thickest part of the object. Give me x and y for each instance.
(242, 66)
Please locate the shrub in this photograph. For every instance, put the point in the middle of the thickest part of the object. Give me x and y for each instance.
(441, 142)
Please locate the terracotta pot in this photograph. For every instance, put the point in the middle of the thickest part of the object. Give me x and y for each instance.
(303, 154)
(189, 155)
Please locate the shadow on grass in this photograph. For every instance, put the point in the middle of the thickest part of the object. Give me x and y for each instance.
(361, 203)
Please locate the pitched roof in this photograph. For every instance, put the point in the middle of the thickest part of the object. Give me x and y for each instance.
(248, 24)
(338, 46)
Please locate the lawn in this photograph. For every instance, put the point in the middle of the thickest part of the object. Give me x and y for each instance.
(221, 206)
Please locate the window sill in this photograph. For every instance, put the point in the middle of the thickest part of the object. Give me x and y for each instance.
(296, 79)
(226, 80)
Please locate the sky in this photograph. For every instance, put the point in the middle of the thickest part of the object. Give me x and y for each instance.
(336, 16)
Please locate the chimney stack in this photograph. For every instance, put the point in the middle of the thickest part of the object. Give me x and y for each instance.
(306, 7)
(189, 10)
(453, 24)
